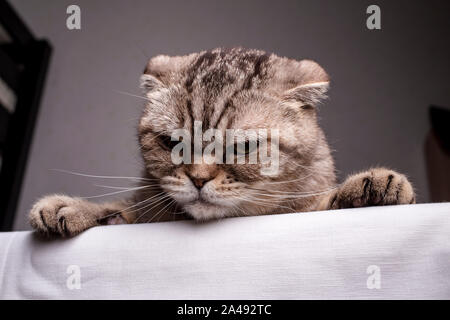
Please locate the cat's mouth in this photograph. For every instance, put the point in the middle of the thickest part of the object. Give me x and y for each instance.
(202, 209)
(202, 201)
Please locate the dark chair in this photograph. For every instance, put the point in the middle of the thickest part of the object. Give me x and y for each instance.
(23, 66)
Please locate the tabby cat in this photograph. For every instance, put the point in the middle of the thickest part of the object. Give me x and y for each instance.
(225, 89)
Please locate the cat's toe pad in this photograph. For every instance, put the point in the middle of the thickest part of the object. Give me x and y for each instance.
(60, 215)
(372, 188)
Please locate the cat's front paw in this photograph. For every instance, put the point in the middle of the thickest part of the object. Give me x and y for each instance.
(375, 187)
(62, 215)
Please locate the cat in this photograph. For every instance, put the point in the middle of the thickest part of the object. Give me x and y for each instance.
(234, 88)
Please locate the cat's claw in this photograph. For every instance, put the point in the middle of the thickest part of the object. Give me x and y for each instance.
(374, 187)
(62, 215)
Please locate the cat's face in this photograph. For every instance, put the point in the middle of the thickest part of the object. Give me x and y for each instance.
(235, 89)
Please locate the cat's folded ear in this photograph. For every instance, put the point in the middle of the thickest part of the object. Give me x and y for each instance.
(161, 69)
(149, 83)
(304, 81)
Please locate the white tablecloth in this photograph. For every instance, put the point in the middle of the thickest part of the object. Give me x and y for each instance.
(379, 252)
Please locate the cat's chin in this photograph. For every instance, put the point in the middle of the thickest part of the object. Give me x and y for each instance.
(203, 210)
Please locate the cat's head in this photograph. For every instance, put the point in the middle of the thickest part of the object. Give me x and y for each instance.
(235, 89)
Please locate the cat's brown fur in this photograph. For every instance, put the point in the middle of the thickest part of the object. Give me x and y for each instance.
(240, 89)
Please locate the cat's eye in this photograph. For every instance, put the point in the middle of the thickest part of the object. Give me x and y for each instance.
(167, 143)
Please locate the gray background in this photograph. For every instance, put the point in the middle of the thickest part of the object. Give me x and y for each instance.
(382, 81)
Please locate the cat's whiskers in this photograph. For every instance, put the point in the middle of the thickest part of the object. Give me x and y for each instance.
(236, 206)
(166, 209)
(261, 199)
(111, 187)
(147, 143)
(115, 192)
(163, 198)
(156, 185)
(121, 211)
(101, 176)
(263, 202)
(312, 169)
(159, 195)
(132, 206)
(140, 97)
(274, 191)
(161, 210)
(288, 181)
(296, 195)
(235, 213)
(291, 193)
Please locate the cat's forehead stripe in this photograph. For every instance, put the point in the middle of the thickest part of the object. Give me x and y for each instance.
(207, 58)
(218, 76)
(257, 70)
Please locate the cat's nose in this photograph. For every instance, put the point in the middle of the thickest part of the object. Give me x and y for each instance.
(200, 174)
(199, 182)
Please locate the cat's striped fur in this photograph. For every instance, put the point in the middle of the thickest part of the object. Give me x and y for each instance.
(229, 89)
